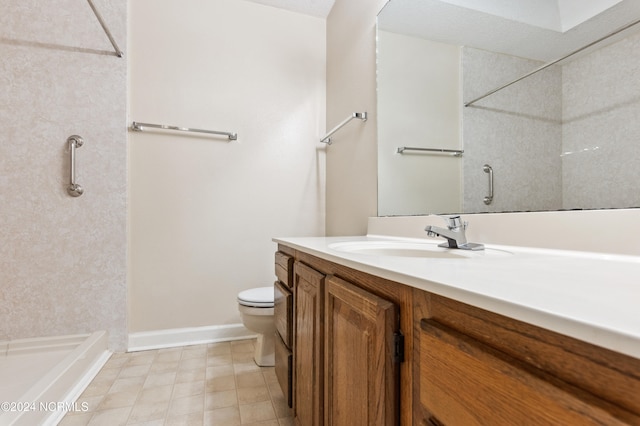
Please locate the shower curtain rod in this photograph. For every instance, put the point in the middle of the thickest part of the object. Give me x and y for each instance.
(547, 65)
(119, 52)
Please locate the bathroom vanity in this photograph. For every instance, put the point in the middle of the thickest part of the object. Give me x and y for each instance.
(374, 331)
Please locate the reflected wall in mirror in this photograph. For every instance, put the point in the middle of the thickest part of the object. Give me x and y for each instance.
(566, 137)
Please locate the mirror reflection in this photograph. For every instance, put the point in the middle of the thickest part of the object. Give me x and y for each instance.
(566, 136)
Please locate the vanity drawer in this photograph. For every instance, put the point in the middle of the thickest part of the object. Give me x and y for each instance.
(284, 268)
(283, 312)
(463, 381)
(284, 369)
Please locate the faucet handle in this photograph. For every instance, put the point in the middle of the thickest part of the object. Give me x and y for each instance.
(455, 222)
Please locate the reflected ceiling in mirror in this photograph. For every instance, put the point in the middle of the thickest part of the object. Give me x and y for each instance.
(563, 138)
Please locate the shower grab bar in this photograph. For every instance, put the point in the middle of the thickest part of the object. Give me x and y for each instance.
(106, 29)
(488, 169)
(359, 115)
(74, 142)
(454, 152)
(547, 65)
(138, 127)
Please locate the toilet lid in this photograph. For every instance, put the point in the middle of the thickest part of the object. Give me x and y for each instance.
(261, 297)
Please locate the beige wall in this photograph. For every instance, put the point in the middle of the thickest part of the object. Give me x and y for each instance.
(203, 209)
(351, 87)
(62, 259)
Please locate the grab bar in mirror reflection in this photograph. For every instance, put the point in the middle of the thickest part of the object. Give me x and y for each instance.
(488, 169)
(454, 152)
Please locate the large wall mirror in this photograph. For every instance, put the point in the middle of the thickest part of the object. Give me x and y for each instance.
(562, 138)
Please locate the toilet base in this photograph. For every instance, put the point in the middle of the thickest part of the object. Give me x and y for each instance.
(264, 354)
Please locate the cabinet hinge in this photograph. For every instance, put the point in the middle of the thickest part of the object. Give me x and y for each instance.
(398, 347)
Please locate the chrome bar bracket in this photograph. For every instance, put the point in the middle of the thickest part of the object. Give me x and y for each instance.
(74, 142)
(359, 115)
(488, 169)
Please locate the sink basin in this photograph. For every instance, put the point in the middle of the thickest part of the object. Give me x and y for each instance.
(412, 249)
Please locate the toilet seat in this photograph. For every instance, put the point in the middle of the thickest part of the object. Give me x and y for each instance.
(261, 297)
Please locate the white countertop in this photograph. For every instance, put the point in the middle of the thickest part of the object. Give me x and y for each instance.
(591, 297)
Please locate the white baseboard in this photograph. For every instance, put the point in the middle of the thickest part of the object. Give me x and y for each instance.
(158, 339)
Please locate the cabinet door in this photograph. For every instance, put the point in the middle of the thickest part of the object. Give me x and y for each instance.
(361, 374)
(283, 368)
(283, 312)
(465, 382)
(308, 345)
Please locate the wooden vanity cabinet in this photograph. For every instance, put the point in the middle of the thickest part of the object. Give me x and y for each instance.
(347, 346)
(475, 367)
(462, 365)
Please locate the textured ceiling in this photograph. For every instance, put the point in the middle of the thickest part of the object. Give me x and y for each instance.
(319, 8)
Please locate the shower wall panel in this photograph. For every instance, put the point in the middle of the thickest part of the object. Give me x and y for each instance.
(62, 258)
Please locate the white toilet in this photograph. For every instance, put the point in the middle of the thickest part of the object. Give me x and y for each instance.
(256, 309)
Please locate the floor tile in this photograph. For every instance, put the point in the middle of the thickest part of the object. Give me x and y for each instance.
(76, 420)
(265, 423)
(144, 412)
(214, 384)
(155, 394)
(220, 383)
(164, 366)
(228, 416)
(159, 379)
(118, 399)
(250, 395)
(111, 417)
(127, 384)
(191, 419)
(220, 399)
(186, 405)
(188, 388)
(250, 379)
(259, 411)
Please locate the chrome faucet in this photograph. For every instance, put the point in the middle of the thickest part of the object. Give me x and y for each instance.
(454, 234)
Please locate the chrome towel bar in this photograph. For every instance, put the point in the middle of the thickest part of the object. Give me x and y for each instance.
(455, 152)
(359, 115)
(138, 127)
(106, 29)
(74, 189)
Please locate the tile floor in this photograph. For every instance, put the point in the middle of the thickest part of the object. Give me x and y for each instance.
(213, 384)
